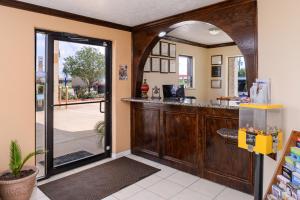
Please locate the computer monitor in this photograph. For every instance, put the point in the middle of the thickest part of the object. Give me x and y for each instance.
(173, 91)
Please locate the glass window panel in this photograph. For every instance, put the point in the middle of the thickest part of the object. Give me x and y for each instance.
(40, 91)
(186, 71)
(79, 77)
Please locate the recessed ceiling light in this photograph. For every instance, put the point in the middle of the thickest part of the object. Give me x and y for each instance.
(162, 34)
(214, 31)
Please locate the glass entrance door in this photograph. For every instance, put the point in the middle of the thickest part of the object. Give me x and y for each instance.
(78, 97)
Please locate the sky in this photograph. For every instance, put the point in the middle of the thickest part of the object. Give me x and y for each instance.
(65, 48)
(182, 66)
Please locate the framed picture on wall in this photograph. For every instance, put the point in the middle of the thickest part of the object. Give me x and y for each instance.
(156, 50)
(123, 72)
(147, 67)
(216, 71)
(155, 64)
(216, 84)
(164, 49)
(164, 65)
(216, 60)
(172, 66)
(172, 48)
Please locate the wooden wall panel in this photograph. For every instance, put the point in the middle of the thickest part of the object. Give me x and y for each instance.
(146, 128)
(186, 138)
(224, 162)
(179, 138)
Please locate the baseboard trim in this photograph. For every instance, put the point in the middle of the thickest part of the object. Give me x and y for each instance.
(121, 154)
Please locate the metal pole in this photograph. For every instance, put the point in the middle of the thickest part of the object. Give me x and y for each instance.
(59, 94)
(259, 176)
(67, 96)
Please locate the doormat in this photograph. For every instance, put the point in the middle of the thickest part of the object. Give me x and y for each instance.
(98, 182)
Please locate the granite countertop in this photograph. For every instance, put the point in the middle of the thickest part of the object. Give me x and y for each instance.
(185, 102)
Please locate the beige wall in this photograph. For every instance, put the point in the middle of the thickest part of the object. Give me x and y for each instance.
(227, 52)
(278, 47)
(202, 71)
(278, 59)
(17, 86)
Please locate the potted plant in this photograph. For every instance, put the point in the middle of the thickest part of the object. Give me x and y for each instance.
(100, 128)
(18, 182)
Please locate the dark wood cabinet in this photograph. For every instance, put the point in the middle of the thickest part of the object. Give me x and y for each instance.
(185, 137)
(146, 130)
(180, 131)
(223, 161)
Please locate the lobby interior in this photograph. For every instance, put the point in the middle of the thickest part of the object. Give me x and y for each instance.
(118, 108)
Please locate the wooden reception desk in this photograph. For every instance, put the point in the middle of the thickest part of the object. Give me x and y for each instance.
(183, 135)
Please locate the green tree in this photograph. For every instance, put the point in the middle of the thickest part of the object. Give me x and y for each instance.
(88, 64)
(242, 72)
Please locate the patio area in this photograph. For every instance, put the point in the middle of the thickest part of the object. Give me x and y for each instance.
(74, 133)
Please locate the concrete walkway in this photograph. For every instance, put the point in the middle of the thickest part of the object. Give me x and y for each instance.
(73, 130)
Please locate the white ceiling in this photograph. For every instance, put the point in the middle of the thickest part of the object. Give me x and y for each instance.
(125, 12)
(198, 32)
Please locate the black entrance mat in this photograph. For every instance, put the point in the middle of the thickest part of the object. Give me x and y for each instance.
(69, 158)
(98, 182)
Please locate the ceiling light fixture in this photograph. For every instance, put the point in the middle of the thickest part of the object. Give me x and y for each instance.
(214, 31)
(162, 34)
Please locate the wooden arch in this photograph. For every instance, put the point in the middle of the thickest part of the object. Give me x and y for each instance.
(238, 18)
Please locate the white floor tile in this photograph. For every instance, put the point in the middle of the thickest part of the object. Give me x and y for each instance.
(188, 194)
(166, 189)
(143, 160)
(134, 157)
(147, 182)
(37, 194)
(183, 178)
(169, 183)
(165, 171)
(207, 188)
(149, 162)
(145, 195)
(110, 198)
(137, 158)
(232, 194)
(127, 192)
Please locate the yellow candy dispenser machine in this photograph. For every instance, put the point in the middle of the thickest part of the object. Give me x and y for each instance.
(260, 131)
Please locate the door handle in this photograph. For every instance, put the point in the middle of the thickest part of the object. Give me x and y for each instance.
(103, 101)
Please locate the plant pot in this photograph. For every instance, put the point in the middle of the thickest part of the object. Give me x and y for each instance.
(20, 189)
